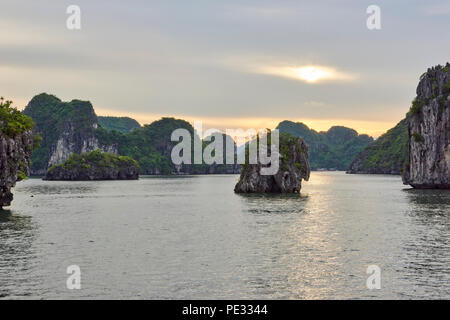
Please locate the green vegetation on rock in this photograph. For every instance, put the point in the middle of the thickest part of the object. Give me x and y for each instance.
(16, 145)
(386, 155)
(415, 107)
(121, 124)
(75, 121)
(95, 165)
(12, 121)
(149, 145)
(417, 137)
(335, 148)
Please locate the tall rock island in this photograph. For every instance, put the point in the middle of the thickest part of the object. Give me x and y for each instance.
(66, 128)
(428, 163)
(293, 167)
(16, 144)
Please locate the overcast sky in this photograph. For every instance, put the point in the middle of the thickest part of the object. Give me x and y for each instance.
(228, 63)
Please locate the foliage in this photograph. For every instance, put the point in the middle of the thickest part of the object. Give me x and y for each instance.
(54, 117)
(97, 159)
(415, 107)
(121, 124)
(150, 145)
(389, 152)
(335, 148)
(12, 121)
(418, 137)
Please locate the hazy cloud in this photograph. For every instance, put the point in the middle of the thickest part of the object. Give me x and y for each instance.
(228, 60)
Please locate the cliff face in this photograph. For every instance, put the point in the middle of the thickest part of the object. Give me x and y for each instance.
(294, 167)
(66, 128)
(386, 155)
(428, 164)
(15, 156)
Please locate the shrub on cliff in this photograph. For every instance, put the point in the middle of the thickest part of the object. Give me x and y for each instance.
(12, 121)
(16, 144)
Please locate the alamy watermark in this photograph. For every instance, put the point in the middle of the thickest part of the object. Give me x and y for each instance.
(258, 151)
(374, 280)
(73, 22)
(374, 19)
(74, 280)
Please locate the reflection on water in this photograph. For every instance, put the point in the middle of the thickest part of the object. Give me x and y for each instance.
(427, 261)
(192, 237)
(274, 203)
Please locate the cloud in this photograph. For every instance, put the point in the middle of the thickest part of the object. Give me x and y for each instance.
(307, 73)
(442, 9)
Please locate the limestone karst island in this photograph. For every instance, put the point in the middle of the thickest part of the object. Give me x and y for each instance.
(68, 141)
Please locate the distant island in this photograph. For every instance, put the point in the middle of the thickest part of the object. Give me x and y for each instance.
(334, 149)
(73, 128)
(386, 155)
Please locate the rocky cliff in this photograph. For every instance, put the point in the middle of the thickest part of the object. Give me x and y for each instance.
(16, 144)
(428, 164)
(95, 165)
(293, 167)
(66, 128)
(15, 156)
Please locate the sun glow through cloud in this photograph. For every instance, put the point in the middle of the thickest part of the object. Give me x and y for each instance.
(309, 73)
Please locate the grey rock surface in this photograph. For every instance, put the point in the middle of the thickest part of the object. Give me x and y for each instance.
(15, 156)
(428, 165)
(293, 168)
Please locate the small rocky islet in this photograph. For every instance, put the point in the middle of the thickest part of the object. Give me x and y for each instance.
(95, 165)
(293, 168)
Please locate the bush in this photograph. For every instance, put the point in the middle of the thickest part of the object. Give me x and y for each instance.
(418, 137)
(415, 107)
(12, 121)
(96, 158)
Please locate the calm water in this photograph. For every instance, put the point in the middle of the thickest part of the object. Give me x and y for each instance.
(192, 237)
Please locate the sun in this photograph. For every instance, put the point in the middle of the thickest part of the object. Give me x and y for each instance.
(308, 73)
(311, 73)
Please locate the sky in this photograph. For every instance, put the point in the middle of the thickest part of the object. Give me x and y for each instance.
(231, 64)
